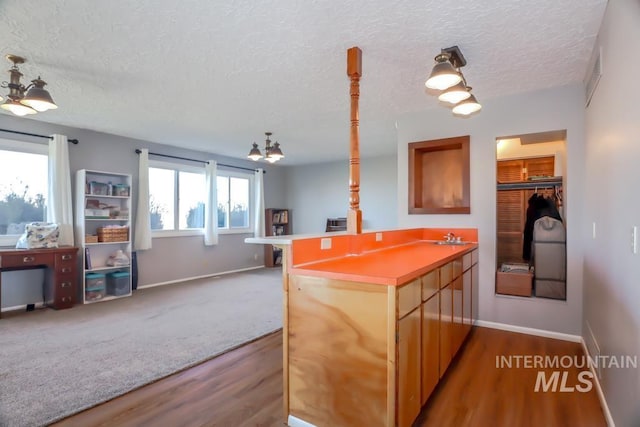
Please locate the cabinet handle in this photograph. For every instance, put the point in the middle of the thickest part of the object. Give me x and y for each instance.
(65, 284)
(66, 269)
(28, 259)
(66, 299)
(66, 257)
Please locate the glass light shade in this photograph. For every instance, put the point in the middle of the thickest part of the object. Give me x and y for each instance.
(17, 108)
(255, 153)
(271, 159)
(467, 106)
(276, 152)
(38, 98)
(443, 75)
(454, 94)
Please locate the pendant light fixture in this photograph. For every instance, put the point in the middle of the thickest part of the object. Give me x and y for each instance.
(447, 78)
(273, 153)
(23, 100)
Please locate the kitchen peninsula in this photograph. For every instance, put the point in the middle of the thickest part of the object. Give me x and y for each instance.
(372, 321)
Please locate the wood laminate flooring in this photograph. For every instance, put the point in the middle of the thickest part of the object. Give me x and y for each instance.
(244, 388)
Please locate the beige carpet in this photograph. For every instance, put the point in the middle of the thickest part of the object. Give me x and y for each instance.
(56, 363)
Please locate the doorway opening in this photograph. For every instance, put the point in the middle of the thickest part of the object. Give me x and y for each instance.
(530, 220)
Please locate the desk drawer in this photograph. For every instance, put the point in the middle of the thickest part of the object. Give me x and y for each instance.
(65, 262)
(26, 260)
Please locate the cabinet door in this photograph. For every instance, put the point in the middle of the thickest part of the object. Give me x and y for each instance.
(430, 346)
(457, 327)
(475, 288)
(510, 170)
(409, 368)
(466, 302)
(446, 322)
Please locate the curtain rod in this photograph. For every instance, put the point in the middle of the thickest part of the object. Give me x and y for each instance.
(73, 141)
(138, 151)
(551, 183)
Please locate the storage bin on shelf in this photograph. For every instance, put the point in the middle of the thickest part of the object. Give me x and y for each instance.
(113, 234)
(95, 286)
(118, 283)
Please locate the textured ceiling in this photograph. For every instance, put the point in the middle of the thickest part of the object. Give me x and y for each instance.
(215, 75)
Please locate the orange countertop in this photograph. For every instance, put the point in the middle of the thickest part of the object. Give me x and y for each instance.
(391, 266)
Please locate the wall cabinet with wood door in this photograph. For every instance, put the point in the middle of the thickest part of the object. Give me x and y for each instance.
(512, 204)
(373, 354)
(277, 223)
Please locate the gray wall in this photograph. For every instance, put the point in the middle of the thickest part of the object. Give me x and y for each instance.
(318, 191)
(188, 256)
(612, 202)
(558, 108)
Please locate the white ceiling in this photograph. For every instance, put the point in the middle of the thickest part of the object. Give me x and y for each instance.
(215, 75)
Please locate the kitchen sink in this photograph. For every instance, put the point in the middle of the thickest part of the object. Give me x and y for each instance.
(451, 243)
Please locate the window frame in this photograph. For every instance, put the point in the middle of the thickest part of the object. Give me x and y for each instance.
(158, 164)
(22, 147)
(250, 177)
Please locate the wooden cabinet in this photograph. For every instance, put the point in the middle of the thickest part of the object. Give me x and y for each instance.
(368, 354)
(475, 286)
(467, 301)
(277, 223)
(408, 361)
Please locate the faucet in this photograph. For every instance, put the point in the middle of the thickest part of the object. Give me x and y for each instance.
(450, 236)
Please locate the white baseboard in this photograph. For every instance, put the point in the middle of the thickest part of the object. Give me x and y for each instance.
(529, 331)
(186, 279)
(603, 401)
(297, 422)
(23, 307)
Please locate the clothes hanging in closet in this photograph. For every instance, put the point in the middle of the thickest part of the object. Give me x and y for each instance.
(538, 206)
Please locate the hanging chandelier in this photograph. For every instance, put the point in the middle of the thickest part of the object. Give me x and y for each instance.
(447, 78)
(22, 100)
(272, 153)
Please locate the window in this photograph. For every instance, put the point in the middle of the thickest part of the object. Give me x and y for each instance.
(233, 201)
(23, 187)
(177, 195)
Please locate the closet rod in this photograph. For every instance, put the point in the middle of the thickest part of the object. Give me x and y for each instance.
(138, 151)
(73, 141)
(528, 185)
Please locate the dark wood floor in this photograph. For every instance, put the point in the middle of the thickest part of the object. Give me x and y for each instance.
(244, 388)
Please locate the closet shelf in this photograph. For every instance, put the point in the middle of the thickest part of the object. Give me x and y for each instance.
(523, 185)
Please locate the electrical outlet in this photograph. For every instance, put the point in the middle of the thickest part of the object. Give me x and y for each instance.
(378, 237)
(325, 243)
(593, 231)
(634, 239)
(255, 257)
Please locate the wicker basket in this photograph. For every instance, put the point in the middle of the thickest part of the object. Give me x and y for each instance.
(113, 234)
(89, 238)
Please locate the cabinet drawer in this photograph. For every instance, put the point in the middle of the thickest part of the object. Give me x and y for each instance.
(430, 284)
(65, 261)
(457, 267)
(466, 261)
(409, 297)
(26, 260)
(474, 257)
(446, 272)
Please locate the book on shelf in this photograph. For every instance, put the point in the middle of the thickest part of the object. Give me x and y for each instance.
(87, 258)
(284, 217)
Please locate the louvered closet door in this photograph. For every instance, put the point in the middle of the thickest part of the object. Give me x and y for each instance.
(510, 171)
(510, 225)
(541, 166)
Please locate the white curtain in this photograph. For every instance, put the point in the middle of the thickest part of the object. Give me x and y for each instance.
(258, 223)
(211, 204)
(142, 239)
(59, 208)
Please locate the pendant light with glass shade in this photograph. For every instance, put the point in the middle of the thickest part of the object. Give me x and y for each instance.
(273, 153)
(447, 78)
(23, 100)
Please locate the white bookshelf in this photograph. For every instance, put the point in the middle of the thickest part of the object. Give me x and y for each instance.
(114, 209)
